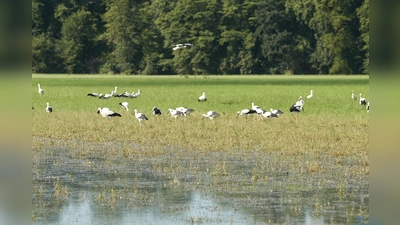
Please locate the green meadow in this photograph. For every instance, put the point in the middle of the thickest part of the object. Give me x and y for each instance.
(331, 117)
(323, 148)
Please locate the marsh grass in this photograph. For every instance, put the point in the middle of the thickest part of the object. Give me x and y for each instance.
(325, 147)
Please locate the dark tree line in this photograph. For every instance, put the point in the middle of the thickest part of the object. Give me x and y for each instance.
(227, 36)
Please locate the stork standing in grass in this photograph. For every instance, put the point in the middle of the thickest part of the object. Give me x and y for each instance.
(245, 112)
(106, 112)
(135, 95)
(93, 94)
(124, 105)
(363, 101)
(49, 109)
(114, 92)
(105, 96)
(310, 95)
(175, 113)
(211, 114)
(296, 108)
(156, 111)
(203, 97)
(353, 96)
(276, 111)
(185, 111)
(258, 110)
(140, 116)
(40, 90)
(268, 114)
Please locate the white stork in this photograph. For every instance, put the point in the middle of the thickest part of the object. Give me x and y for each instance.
(135, 95)
(125, 94)
(269, 114)
(105, 96)
(296, 108)
(246, 112)
(156, 111)
(211, 114)
(93, 94)
(353, 96)
(49, 109)
(276, 111)
(175, 113)
(363, 101)
(258, 109)
(177, 46)
(114, 92)
(310, 95)
(106, 112)
(140, 116)
(40, 90)
(185, 111)
(124, 105)
(203, 97)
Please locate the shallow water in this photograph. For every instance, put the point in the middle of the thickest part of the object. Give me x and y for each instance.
(182, 187)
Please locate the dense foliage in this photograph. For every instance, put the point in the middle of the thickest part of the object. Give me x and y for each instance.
(227, 36)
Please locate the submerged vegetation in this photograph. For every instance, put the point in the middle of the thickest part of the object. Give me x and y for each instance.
(322, 151)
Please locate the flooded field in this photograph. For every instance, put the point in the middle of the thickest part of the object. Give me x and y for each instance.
(75, 182)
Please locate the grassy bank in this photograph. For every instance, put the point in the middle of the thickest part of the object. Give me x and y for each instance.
(331, 122)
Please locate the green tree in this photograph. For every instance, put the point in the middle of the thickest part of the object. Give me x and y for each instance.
(123, 35)
(335, 26)
(77, 45)
(194, 22)
(237, 39)
(363, 15)
(44, 56)
(283, 40)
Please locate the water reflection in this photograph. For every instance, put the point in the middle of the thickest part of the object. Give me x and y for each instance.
(182, 189)
(199, 209)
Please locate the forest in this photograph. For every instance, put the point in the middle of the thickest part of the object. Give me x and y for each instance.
(200, 37)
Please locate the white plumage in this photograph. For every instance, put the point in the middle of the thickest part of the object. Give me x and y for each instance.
(125, 94)
(269, 114)
(114, 92)
(105, 96)
(93, 94)
(40, 90)
(246, 112)
(49, 109)
(300, 101)
(363, 101)
(124, 105)
(310, 95)
(106, 112)
(203, 97)
(185, 111)
(179, 46)
(175, 113)
(135, 95)
(298, 106)
(353, 96)
(257, 108)
(211, 114)
(140, 116)
(276, 111)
